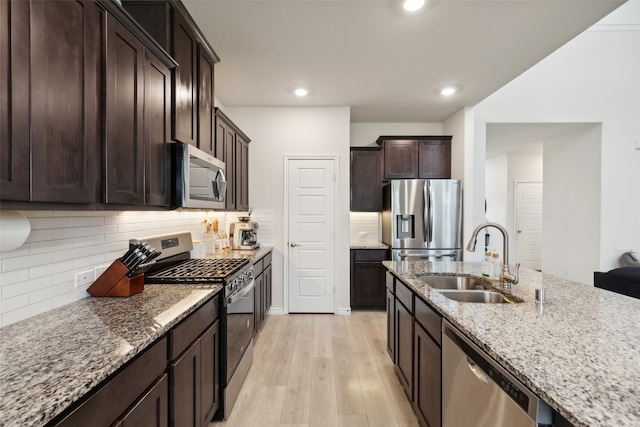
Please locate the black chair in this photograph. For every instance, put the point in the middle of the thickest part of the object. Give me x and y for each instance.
(623, 280)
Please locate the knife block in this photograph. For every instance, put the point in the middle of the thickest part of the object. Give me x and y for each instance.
(113, 282)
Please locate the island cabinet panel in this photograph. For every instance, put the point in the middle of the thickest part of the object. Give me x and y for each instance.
(427, 391)
(14, 101)
(404, 337)
(391, 323)
(368, 278)
(366, 179)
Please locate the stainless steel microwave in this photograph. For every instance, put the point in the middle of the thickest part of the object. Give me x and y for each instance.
(199, 180)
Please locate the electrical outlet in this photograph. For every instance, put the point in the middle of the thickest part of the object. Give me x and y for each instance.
(83, 279)
(99, 270)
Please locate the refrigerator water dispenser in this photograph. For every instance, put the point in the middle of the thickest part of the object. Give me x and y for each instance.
(406, 226)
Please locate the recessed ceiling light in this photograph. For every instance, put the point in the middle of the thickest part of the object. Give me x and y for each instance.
(412, 5)
(301, 92)
(448, 91)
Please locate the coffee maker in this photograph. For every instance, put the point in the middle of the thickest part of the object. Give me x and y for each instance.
(243, 234)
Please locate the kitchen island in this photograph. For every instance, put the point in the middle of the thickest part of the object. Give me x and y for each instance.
(579, 351)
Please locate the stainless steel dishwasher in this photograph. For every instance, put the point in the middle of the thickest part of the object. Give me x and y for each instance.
(478, 392)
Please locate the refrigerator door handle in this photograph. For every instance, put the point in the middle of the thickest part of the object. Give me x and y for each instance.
(429, 212)
(423, 256)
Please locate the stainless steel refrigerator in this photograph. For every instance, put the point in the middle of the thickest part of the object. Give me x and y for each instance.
(422, 219)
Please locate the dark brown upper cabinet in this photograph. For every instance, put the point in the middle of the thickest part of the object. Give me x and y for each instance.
(50, 109)
(407, 157)
(138, 99)
(366, 179)
(170, 24)
(232, 147)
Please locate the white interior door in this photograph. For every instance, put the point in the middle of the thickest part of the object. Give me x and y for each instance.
(310, 247)
(529, 224)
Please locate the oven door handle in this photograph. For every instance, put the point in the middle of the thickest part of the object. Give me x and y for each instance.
(244, 291)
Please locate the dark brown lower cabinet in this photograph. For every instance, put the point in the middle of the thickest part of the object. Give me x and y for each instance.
(414, 340)
(263, 286)
(368, 278)
(427, 378)
(194, 376)
(258, 308)
(404, 347)
(152, 410)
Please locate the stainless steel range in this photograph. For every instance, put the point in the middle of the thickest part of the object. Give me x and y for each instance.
(174, 266)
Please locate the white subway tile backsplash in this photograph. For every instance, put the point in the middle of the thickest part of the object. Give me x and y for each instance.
(23, 288)
(40, 274)
(10, 264)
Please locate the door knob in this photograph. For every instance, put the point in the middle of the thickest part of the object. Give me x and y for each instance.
(519, 231)
(293, 245)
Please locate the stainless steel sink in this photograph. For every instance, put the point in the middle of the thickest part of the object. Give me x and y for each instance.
(457, 282)
(487, 297)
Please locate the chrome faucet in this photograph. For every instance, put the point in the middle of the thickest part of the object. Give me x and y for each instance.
(506, 277)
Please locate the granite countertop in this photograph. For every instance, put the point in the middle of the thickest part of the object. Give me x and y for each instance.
(579, 351)
(368, 245)
(51, 360)
(253, 254)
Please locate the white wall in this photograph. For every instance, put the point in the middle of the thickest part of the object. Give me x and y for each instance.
(363, 134)
(594, 78)
(275, 133)
(571, 205)
(39, 275)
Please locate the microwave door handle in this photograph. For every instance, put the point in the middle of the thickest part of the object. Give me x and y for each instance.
(219, 185)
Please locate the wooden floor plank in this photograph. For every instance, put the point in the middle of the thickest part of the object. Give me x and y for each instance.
(322, 370)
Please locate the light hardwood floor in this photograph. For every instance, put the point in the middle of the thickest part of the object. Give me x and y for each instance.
(322, 370)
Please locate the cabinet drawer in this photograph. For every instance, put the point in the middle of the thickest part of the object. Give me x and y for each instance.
(371, 254)
(111, 400)
(258, 266)
(185, 333)
(429, 319)
(405, 295)
(390, 281)
(266, 260)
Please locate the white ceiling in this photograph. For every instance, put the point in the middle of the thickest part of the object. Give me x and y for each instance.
(386, 65)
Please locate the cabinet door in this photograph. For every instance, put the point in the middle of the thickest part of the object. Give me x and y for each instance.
(124, 115)
(368, 278)
(258, 312)
(152, 410)
(366, 180)
(267, 288)
(230, 165)
(242, 174)
(404, 347)
(221, 134)
(185, 390)
(210, 373)
(435, 158)
(65, 100)
(184, 51)
(391, 325)
(206, 124)
(14, 100)
(157, 132)
(400, 159)
(427, 378)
